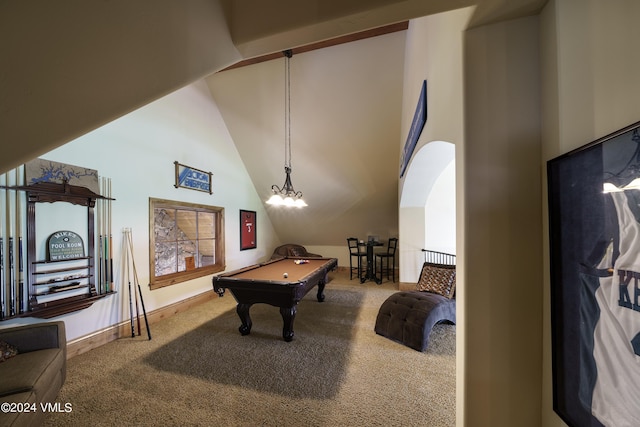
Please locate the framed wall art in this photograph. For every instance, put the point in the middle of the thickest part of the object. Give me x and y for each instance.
(594, 244)
(417, 124)
(192, 178)
(247, 230)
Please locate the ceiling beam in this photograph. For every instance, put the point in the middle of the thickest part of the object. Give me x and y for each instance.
(387, 29)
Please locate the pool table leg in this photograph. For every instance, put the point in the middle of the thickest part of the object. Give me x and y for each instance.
(320, 292)
(243, 313)
(288, 316)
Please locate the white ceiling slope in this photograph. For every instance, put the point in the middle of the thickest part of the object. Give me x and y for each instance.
(259, 27)
(69, 67)
(293, 23)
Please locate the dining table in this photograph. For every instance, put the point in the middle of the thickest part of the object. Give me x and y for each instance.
(370, 272)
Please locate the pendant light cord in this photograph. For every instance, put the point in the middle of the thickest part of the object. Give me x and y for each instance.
(286, 194)
(287, 109)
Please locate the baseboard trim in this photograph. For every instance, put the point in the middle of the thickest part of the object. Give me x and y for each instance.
(404, 286)
(123, 329)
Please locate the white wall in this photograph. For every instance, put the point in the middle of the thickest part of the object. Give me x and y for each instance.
(137, 152)
(411, 242)
(427, 207)
(440, 212)
(502, 240)
(434, 51)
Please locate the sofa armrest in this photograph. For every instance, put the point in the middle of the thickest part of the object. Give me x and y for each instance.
(292, 250)
(36, 336)
(310, 255)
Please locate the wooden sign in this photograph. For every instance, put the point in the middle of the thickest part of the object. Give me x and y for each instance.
(192, 178)
(63, 245)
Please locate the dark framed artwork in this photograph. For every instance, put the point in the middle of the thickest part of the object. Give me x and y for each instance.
(417, 124)
(594, 245)
(247, 230)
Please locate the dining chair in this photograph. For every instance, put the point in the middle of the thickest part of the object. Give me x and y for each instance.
(390, 257)
(354, 251)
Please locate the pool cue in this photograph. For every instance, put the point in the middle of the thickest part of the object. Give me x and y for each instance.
(105, 239)
(110, 240)
(135, 274)
(101, 243)
(144, 311)
(128, 269)
(21, 272)
(20, 278)
(11, 303)
(3, 290)
(99, 227)
(128, 238)
(2, 284)
(100, 266)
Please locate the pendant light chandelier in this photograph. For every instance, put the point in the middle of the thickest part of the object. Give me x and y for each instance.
(287, 196)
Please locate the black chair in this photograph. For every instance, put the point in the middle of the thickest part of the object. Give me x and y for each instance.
(354, 251)
(389, 255)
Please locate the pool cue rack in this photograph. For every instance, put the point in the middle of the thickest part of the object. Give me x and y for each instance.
(75, 288)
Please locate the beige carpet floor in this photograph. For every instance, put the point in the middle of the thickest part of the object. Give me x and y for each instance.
(199, 371)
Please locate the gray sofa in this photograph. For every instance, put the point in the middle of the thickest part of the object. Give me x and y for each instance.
(36, 374)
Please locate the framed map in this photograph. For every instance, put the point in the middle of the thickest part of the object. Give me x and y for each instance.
(41, 170)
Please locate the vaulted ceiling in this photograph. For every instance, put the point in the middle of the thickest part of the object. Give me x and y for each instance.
(71, 67)
(346, 103)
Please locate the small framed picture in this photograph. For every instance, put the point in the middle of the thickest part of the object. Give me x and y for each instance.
(247, 230)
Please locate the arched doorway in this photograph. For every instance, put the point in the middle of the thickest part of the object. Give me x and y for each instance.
(427, 217)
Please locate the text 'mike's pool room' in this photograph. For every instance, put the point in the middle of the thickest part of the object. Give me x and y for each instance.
(269, 213)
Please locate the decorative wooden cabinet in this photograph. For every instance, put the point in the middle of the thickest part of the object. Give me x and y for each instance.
(61, 286)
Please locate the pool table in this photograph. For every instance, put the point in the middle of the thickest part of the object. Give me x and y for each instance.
(281, 283)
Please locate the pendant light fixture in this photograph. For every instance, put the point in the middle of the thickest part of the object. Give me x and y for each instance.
(287, 196)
